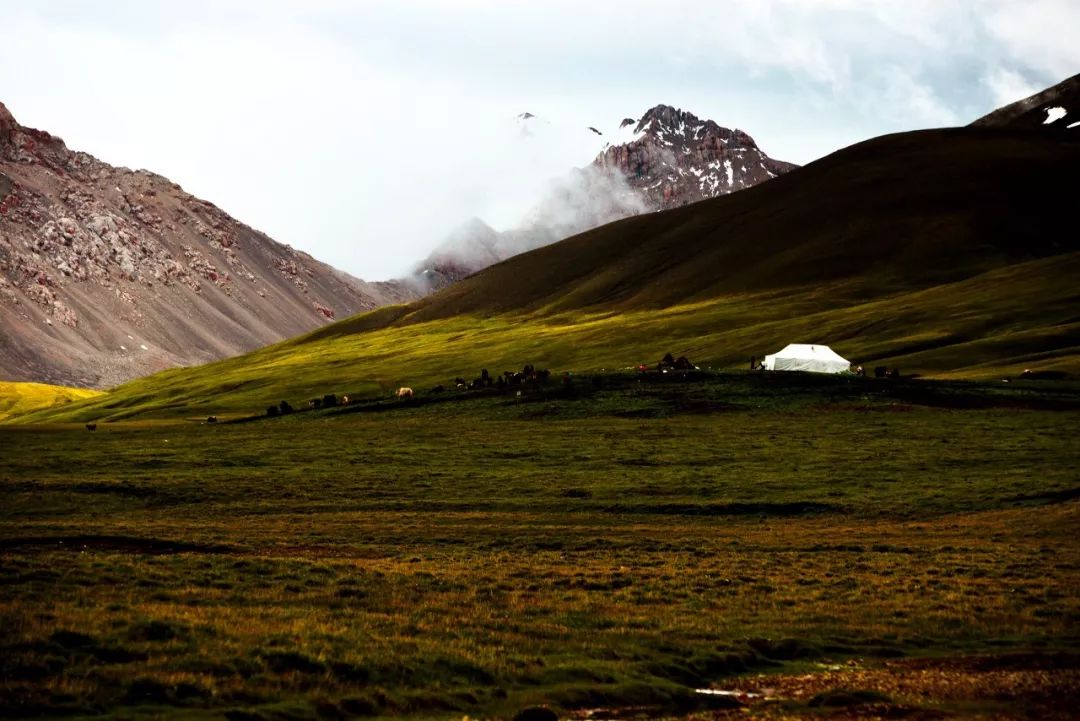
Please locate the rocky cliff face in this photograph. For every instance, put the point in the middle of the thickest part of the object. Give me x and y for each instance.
(672, 158)
(108, 273)
(666, 159)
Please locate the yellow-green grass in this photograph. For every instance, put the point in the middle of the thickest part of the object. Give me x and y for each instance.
(479, 556)
(997, 323)
(17, 398)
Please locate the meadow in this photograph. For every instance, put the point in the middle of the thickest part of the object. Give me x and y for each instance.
(989, 327)
(21, 398)
(612, 544)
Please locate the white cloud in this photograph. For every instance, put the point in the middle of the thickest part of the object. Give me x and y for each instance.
(1008, 86)
(1036, 34)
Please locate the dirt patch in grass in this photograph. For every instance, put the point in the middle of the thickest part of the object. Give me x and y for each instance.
(795, 508)
(1041, 685)
(1048, 497)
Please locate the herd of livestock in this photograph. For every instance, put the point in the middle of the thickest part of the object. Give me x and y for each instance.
(507, 381)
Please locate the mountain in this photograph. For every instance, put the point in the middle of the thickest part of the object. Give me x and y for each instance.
(938, 251)
(1056, 109)
(896, 213)
(672, 158)
(108, 273)
(667, 159)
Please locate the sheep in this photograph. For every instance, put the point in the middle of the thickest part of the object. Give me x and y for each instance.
(211, 419)
(91, 426)
(404, 392)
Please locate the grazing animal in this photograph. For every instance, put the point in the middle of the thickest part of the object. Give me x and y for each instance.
(91, 426)
(285, 408)
(404, 392)
(315, 403)
(211, 419)
(344, 400)
(329, 400)
(272, 412)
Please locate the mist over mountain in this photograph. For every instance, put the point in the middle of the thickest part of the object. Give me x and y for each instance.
(667, 159)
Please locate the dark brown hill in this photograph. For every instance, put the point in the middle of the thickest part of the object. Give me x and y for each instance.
(1056, 109)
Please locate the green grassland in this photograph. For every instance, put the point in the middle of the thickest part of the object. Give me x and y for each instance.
(994, 325)
(616, 543)
(20, 398)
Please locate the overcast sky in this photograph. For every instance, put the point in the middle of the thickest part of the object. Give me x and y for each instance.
(363, 132)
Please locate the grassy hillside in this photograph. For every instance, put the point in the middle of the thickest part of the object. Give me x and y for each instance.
(941, 252)
(19, 398)
(998, 323)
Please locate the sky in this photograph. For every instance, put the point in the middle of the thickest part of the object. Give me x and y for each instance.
(365, 132)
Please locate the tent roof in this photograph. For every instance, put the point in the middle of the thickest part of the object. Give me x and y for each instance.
(815, 352)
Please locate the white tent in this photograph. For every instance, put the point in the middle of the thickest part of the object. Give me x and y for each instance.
(801, 357)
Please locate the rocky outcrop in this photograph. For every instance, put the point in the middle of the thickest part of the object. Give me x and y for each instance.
(108, 273)
(672, 158)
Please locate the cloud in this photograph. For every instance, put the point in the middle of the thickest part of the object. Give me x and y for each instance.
(1036, 34)
(1008, 86)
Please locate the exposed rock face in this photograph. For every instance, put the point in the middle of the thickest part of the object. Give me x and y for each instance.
(673, 158)
(666, 159)
(108, 273)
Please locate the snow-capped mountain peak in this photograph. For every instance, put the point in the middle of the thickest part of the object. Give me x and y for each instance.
(675, 158)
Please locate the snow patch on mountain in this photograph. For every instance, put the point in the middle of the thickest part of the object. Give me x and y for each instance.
(1054, 114)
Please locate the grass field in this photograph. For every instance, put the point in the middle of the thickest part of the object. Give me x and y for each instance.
(994, 325)
(20, 398)
(613, 544)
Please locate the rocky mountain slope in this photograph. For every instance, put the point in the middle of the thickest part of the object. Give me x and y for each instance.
(1056, 109)
(672, 158)
(667, 159)
(108, 273)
